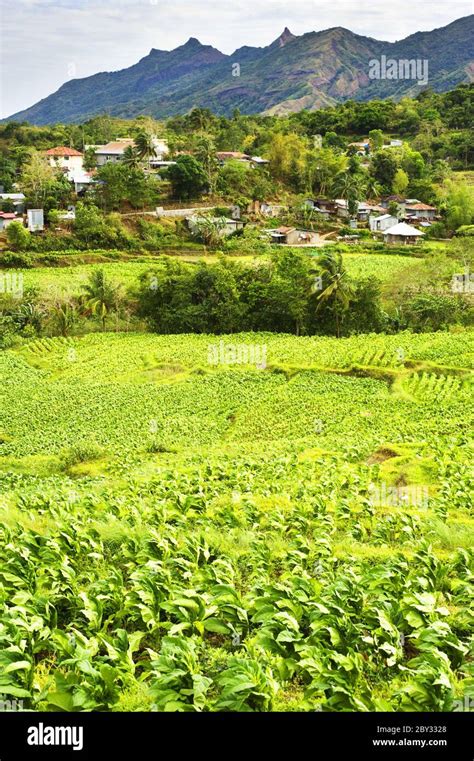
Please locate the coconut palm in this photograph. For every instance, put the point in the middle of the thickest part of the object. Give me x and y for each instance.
(351, 188)
(101, 296)
(373, 188)
(337, 289)
(145, 146)
(131, 157)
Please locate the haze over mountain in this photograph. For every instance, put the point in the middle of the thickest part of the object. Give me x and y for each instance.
(309, 71)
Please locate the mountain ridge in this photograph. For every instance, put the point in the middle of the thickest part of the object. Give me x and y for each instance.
(312, 70)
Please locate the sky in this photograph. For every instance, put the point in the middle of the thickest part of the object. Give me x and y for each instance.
(46, 42)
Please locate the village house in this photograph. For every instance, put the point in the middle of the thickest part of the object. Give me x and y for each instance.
(266, 208)
(411, 209)
(399, 200)
(227, 226)
(419, 212)
(322, 206)
(6, 218)
(17, 199)
(113, 151)
(364, 209)
(362, 147)
(291, 236)
(81, 180)
(382, 223)
(402, 234)
(311, 204)
(63, 157)
(224, 156)
(258, 161)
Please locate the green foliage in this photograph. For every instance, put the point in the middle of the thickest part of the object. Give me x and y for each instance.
(428, 312)
(246, 568)
(18, 236)
(187, 178)
(384, 169)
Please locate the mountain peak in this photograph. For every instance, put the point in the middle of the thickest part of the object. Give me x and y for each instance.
(320, 68)
(338, 31)
(285, 37)
(192, 42)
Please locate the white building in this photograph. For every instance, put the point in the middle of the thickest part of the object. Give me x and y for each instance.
(35, 220)
(6, 218)
(402, 234)
(63, 157)
(81, 179)
(161, 149)
(382, 223)
(113, 151)
(17, 199)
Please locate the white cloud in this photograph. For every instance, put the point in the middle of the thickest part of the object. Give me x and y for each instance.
(45, 42)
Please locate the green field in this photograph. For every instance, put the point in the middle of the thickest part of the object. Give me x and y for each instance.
(61, 282)
(182, 535)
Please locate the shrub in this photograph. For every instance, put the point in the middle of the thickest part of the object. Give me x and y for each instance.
(430, 312)
(13, 259)
(465, 231)
(83, 451)
(18, 236)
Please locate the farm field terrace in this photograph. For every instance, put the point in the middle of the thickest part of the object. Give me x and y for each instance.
(186, 536)
(60, 282)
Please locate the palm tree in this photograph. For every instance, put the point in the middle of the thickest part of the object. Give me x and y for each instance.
(145, 146)
(131, 157)
(101, 296)
(373, 188)
(210, 229)
(347, 185)
(205, 153)
(336, 286)
(63, 317)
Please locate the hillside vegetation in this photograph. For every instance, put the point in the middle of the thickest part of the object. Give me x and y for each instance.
(180, 535)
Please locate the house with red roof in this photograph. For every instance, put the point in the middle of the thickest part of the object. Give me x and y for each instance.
(63, 157)
(419, 211)
(6, 218)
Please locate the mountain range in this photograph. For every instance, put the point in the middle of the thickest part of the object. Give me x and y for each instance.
(310, 71)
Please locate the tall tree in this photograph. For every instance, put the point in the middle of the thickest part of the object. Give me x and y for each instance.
(145, 146)
(101, 296)
(188, 178)
(38, 179)
(336, 292)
